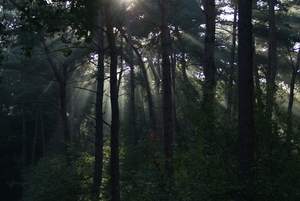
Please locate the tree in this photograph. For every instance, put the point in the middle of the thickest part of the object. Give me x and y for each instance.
(209, 46)
(114, 95)
(209, 70)
(132, 79)
(232, 60)
(99, 134)
(167, 87)
(245, 102)
(272, 64)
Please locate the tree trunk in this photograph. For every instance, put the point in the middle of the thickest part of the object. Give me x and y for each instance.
(209, 53)
(115, 175)
(60, 72)
(272, 64)
(148, 92)
(42, 132)
(173, 87)
(258, 91)
(24, 145)
(189, 98)
(209, 72)
(232, 66)
(132, 82)
(151, 111)
(63, 110)
(167, 88)
(245, 101)
(35, 135)
(291, 101)
(157, 94)
(98, 165)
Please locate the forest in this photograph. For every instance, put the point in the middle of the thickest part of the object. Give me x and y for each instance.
(154, 100)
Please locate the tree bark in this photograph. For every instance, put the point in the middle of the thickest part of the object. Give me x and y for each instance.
(115, 174)
(35, 135)
(291, 100)
(167, 88)
(24, 145)
(60, 72)
(272, 63)
(232, 66)
(189, 98)
(209, 53)
(245, 101)
(152, 117)
(132, 82)
(42, 131)
(258, 91)
(98, 165)
(157, 94)
(209, 72)
(148, 91)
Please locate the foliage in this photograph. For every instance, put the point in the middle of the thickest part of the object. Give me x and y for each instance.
(51, 179)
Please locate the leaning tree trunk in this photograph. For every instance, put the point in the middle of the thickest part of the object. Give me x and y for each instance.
(98, 165)
(245, 99)
(148, 91)
(115, 174)
(291, 101)
(60, 72)
(152, 117)
(189, 98)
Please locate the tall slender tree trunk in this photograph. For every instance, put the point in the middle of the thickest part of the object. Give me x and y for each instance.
(258, 91)
(98, 165)
(157, 93)
(42, 131)
(187, 86)
(62, 79)
(151, 111)
(115, 174)
(183, 57)
(167, 87)
(232, 66)
(209, 53)
(35, 135)
(246, 100)
(72, 112)
(272, 63)
(132, 82)
(173, 82)
(148, 91)
(209, 71)
(24, 144)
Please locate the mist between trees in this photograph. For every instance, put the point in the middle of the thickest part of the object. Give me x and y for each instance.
(149, 100)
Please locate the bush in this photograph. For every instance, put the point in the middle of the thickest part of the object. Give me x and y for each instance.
(52, 180)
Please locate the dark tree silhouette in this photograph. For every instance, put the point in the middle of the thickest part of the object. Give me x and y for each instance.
(245, 94)
(115, 121)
